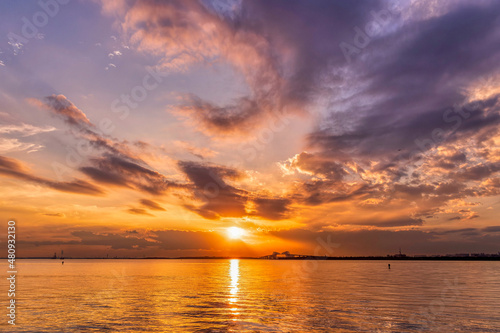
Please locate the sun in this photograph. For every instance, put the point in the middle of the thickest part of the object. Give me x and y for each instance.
(235, 232)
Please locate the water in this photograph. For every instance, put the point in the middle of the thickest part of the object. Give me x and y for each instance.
(256, 296)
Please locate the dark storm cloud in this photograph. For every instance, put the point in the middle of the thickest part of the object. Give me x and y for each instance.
(12, 168)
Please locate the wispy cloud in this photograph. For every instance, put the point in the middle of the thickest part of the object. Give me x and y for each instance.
(15, 135)
(25, 129)
(13, 168)
(139, 211)
(151, 204)
(13, 145)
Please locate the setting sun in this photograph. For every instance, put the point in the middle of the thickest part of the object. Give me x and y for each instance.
(235, 232)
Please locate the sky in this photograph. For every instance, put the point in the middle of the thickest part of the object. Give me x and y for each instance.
(151, 128)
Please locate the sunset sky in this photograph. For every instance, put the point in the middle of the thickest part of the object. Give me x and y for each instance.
(148, 128)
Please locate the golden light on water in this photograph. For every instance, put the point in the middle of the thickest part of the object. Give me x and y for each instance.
(235, 232)
(234, 273)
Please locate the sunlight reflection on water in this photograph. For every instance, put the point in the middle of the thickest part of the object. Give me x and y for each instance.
(256, 296)
(234, 272)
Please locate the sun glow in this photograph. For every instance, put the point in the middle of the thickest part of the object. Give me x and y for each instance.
(235, 232)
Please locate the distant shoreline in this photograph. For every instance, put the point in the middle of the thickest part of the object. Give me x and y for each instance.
(441, 258)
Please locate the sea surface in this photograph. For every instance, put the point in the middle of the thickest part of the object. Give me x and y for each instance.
(255, 296)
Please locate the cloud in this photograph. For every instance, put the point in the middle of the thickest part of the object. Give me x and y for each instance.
(210, 187)
(115, 241)
(118, 163)
(201, 152)
(398, 127)
(118, 166)
(13, 145)
(94, 137)
(186, 240)
(383, 242)
(54, 214)
(280, 55)
(25, 129)
(214, 197)
(272, 209)
(492, 229)
(315, 165)
(220, 120)
(405, 129)
(15, 169)
(416, 93)
(138, 211)
(380, 135)
(400, 133)
(478, 172)
(331, 242)
(113, 170)
(151, 204)
(62, 107)
(159, 239)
